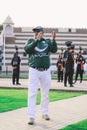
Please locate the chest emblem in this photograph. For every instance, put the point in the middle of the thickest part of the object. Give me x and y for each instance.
(44, 47)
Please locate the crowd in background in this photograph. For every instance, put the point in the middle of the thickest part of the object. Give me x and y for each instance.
(66, 65)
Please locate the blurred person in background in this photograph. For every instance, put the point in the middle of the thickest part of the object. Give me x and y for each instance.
(68, 65)
(15, 62)
(80, 61)
(60, 67)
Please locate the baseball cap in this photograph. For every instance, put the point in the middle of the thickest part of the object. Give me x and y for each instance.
(38, 29)
(72, 47)
(68, 44)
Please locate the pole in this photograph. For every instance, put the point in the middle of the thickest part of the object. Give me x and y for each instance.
(4, 48)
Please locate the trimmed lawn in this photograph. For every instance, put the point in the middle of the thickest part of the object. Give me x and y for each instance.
(11, 99)
(82, 125)
(54, 76)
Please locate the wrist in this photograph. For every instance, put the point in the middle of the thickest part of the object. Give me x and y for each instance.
(53, 40)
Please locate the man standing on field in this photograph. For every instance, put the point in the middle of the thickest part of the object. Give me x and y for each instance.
(39, 50)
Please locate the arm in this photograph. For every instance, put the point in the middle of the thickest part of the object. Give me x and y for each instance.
(53, 47)
(12, 62)
(84, 61)
(66, 56)
(30, 45)
(52, 43)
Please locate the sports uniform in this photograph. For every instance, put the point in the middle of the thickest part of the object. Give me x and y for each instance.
(15, 62)
(80, 61)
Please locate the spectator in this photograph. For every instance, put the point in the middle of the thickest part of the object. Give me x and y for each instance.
(60, 67)
(80, 61)
(68, 59)
(15, 62)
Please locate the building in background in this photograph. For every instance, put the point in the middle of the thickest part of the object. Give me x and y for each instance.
(11, 36)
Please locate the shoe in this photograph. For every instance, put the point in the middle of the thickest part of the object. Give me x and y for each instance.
(74, 82)
(58, 81)
(31, 122)
(65, 85)
(18, 84)
(71, 85)
(46, 117)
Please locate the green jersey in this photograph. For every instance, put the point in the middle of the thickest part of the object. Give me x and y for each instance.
(39, 52)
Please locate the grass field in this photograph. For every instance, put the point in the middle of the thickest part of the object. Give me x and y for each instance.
(54, 76)
(11, 99)
(82, 125)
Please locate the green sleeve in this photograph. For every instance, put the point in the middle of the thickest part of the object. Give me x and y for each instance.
(30, 45)
(52, 46)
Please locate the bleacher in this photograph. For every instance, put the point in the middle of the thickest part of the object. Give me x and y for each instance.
(11, 36)
(21, 35)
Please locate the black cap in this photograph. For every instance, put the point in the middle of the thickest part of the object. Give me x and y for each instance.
(16, 47)
(80, 48)
(68, 44)
(38, 29)
(62, 49)
(72, 47)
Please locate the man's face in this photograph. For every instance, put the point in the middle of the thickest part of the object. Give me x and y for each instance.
(61, 55)
(40, 33)
(79, 53)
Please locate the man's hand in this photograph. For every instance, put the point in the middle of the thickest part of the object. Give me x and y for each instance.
(53, 36)
(39, 35)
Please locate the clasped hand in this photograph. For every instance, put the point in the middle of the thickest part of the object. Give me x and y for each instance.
(40, 34)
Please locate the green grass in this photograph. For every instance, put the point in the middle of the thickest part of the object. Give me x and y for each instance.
(11, 99)
(9, 75)
(54, 76)
(82, 125)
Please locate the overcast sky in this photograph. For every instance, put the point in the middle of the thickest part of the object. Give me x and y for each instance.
(46, 13)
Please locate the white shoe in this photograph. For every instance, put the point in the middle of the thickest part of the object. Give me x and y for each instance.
(31, 122)
(46, 117)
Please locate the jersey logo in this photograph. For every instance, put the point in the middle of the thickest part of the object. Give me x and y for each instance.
(42, 49)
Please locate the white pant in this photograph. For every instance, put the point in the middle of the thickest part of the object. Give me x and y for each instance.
(45, 79)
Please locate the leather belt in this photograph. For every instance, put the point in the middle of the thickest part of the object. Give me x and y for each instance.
(40, 69)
